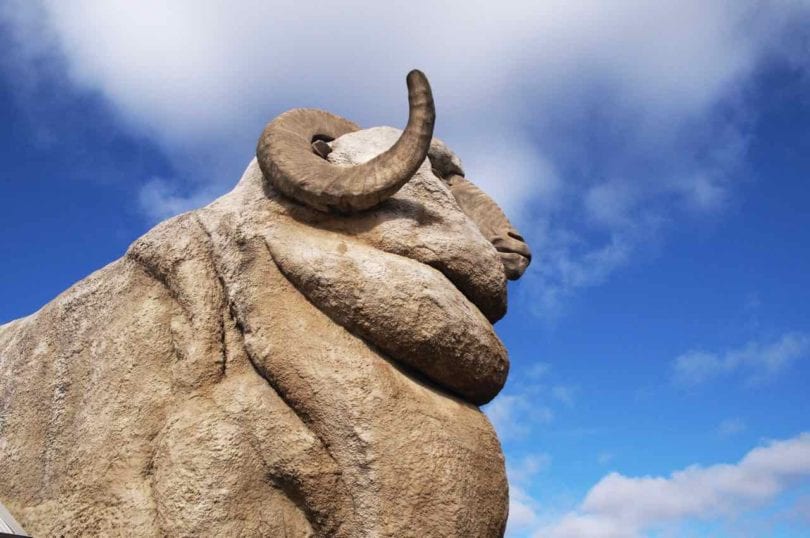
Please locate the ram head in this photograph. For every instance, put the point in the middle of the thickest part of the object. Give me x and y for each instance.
(402, 200)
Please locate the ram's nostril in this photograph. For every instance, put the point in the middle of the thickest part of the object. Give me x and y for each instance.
(514, 235)
(510, 245)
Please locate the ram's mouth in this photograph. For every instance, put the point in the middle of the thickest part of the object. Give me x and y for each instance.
(514, 253)
(483, 288)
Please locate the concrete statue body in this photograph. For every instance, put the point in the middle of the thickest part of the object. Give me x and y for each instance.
(302, 357)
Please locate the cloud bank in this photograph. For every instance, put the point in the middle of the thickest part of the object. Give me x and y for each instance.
(757, 362)
(625, 507)
(596, 124)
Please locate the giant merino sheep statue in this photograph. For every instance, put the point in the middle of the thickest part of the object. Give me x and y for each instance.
(305, 356)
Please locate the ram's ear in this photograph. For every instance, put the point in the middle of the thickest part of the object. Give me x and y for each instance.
(444, 162)
(295, 167)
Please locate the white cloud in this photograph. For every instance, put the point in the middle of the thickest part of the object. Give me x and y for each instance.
(515, 415)
(525, 469)
(758, 362)
(529, 402)
(594, 123)
(538, 370)
(605, 457)
(160, 199)
(626, 507)
(731, 426)
(566, 263)
(800, 511)
(563, 394)
(524, 512)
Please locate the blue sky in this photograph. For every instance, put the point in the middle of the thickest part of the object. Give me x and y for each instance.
(656, 157)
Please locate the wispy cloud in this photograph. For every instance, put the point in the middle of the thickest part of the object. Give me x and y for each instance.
(160, 199)
(756, 362)
(595, 124)
(626, 507)
(731, 426)
(517, 415)
(529, 402)
(524, 511)
(564, 394)
(525, 469)
(800, 511)
(605, 457)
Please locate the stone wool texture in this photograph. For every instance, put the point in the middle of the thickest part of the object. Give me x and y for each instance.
(256, 367)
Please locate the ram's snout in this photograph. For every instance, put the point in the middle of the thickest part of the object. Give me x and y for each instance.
(514, 252)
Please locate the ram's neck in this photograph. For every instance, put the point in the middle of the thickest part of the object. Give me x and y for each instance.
(309, 327)
(408, 310)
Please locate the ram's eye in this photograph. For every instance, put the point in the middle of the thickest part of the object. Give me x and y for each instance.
(440, 175)
(321, 149)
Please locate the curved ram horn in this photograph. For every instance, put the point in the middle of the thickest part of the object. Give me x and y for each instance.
(287, 159)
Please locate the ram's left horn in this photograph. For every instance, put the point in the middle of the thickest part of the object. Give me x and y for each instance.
(287, 159)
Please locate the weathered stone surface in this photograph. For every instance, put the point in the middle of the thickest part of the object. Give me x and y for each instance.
(257, 367)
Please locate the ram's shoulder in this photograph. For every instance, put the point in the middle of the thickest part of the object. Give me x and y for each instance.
(171, 242)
